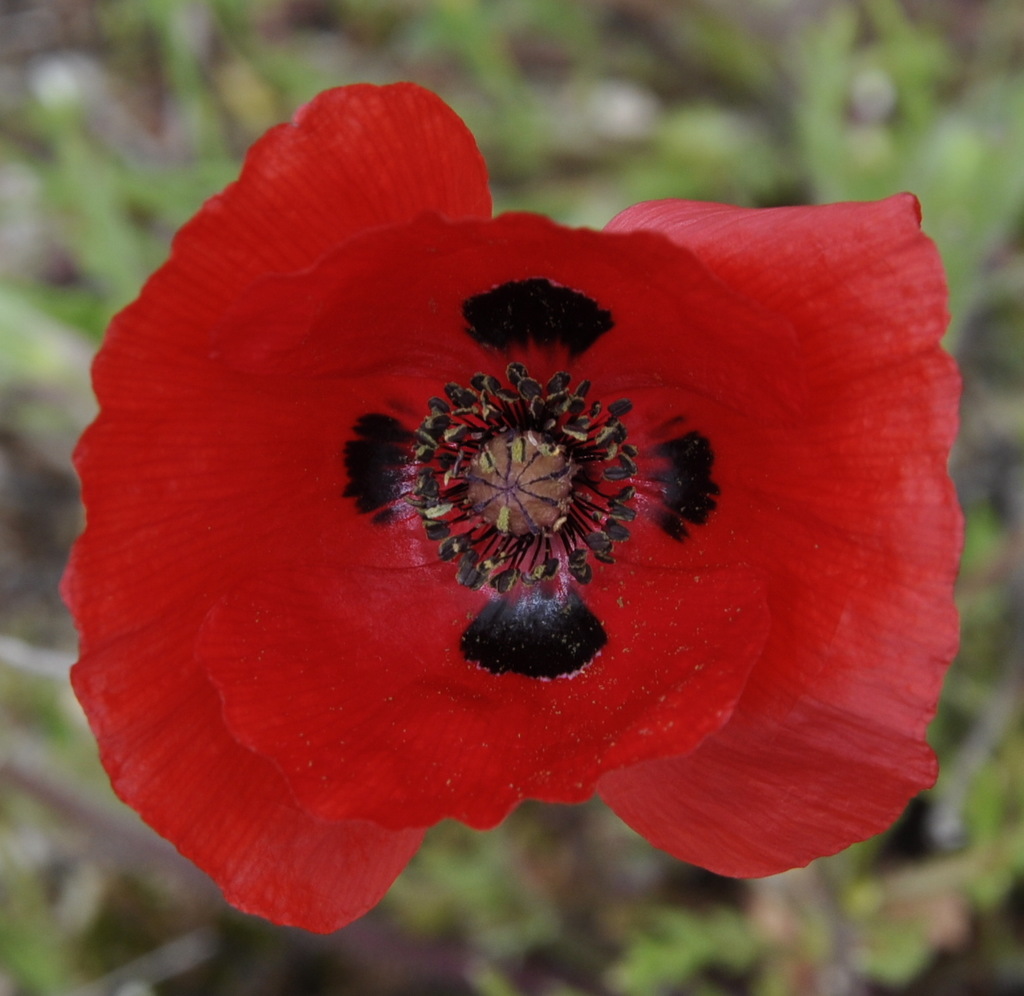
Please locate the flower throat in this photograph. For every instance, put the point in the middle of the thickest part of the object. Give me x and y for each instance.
(519, 481)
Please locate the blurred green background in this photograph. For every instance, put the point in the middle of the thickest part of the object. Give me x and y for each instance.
(118, 117)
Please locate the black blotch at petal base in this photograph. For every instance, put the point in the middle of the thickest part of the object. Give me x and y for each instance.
(535, 310)
(539, 635)
(690, 493)
(375, 461)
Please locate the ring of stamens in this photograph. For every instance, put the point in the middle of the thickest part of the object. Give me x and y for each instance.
(516, 482)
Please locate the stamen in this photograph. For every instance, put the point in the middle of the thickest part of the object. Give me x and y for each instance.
(513, 483)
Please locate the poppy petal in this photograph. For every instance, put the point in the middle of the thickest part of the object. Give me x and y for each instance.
(851, 517)
(228, 810)
(406, 288)
(382, 718)
(163, 491)
(139, 584)
(759, 798)
(859, 279)
(353, 159)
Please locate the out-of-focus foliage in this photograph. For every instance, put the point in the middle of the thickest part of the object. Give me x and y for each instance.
(118, 117)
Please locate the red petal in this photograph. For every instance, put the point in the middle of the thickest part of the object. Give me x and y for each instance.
(850, 517)
(675, 323)
(763, 796)
(192, 494)
(169, 756)
(859, 279)
(354, 685)
(354, 158)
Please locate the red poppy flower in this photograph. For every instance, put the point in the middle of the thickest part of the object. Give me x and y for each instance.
(398, 512)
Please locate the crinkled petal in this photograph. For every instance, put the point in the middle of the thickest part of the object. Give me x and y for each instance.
(851, 517)
(353, 159)
(861, 279)
(393, 300)
(356, 158)
(381, 717)
(167, 751)
(176, 496)
(763, 796)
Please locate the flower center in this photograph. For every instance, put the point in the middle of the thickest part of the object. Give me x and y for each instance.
(521, 483)
(518, 481)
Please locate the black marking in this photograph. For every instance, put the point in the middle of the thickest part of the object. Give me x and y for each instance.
(376, 463)
(689, 491)
(539, 635)
(538, 311)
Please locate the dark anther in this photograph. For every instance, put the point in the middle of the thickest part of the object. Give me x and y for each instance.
(542, 572)
(559, 382)
(437, 530)
(461, 397)
(621, 512)
(467, 574)
(486, 382)
(437, 422)
(621, 407)
(505, 581)
(537, 311)
(530, 388)
(616, 531)
(452, 547)
(558, 403)
(579, 568)
(627, 463)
